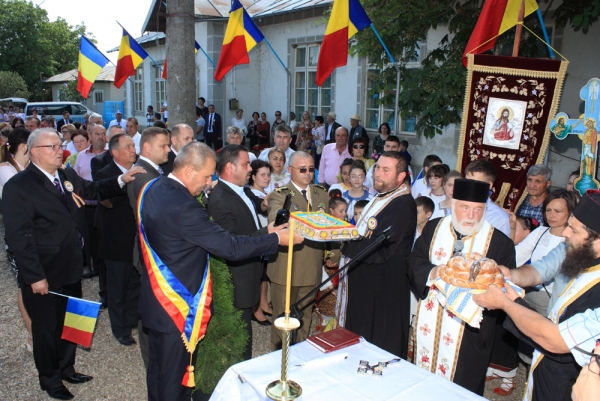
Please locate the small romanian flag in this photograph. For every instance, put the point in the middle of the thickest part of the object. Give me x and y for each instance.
(131, 55)
(80, 321)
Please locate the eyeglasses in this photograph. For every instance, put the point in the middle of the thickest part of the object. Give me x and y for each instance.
(358, 146)
(303, 170)
(55, 148)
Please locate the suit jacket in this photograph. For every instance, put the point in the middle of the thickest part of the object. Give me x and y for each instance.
(357, 132)
(230, 212)
(117, 227)
(99, 162)
(167, 167)
(41, 231)
(217, 127)
(133, 190)
(181, 233)
(307, 261)
(334, 126)
(61, 122)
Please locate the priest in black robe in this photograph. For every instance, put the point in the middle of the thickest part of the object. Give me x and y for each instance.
(467, 223)
(378, 296)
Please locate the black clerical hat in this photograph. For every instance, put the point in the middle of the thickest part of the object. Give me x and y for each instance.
(588, 210)
(471, 190)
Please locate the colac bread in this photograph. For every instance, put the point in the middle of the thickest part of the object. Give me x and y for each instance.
(474, 272)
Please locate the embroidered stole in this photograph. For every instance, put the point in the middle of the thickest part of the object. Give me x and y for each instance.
(372, 209)
(574, 289)
(438, 331)
(190, 312)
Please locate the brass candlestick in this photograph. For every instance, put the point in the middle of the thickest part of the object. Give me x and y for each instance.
(284, 389)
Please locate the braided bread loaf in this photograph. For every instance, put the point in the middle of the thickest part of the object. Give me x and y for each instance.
(485, 271)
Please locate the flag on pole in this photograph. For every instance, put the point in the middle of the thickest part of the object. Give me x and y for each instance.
(164, 71)
(497, 17)
(241, 36)
(347, 18)
(91, 62)
(80, 321)
(131, 55)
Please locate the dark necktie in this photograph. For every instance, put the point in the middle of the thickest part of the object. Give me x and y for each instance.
(304, 194)
(210, 123)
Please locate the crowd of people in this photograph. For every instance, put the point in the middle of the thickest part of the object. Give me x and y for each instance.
(143, 211)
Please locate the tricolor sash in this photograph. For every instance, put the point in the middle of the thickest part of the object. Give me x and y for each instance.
(574, 289)
(190, 312)
(438, 331)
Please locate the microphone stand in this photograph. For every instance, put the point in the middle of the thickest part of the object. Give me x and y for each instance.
(296, 311)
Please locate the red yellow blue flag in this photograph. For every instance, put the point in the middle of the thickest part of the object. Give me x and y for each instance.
(347, 18)
(91, 63)
(80, 321)
(241, 36)
(131, 55)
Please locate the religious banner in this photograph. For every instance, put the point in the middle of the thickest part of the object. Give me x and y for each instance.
(509, 103)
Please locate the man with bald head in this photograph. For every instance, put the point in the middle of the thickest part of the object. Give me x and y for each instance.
(181, 135)
(45, 223)
(332, 157)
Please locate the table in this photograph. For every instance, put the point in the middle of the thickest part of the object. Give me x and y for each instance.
(339, 380)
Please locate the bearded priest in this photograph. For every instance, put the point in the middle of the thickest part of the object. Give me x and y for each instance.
(445, 344)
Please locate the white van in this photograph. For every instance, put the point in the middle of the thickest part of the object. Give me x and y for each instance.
(56, 110)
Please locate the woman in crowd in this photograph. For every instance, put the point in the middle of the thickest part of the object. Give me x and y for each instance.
(260, 178)
(67, 131)
(343, 177)
(264, 129)
(81, 142)
(435, 178)
(253, 130)
(448, 184)
(357, 192)
(379, 141)
(240, 122)
(17, 122)
(318, 134)
(279, 175)
(304, 141)
(4, 132)
(16, 158)
(359, 149)
(278, 121)
(294, 128)
(556, 209)
(571, 181)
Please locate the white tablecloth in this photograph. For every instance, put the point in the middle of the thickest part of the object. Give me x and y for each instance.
(339, 380)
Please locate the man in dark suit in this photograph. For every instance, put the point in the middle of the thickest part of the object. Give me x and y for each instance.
(181, 134)
(181, 234)
(330, 127)
(103, 159)
(356, 130)
(45, 223)
(213, 131)
(154, 150)
(117, 236)
(234, 211)
(65, 120)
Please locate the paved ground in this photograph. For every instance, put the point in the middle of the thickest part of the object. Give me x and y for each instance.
(118, 370)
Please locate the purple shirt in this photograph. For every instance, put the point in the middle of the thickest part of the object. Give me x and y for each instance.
(83, 166)
(331, 160)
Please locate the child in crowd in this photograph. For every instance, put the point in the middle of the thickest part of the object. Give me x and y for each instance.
(420, 183)
(338, 207)
(357, 192)
(425, 207)
(358, 208)
(523, 227)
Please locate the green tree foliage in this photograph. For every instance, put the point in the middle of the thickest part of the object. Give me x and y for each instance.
(70, 93)
(35, 47)
(580, 13)
(433, 90)
(12, 85)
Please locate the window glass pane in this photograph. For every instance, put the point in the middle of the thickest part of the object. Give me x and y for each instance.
(300, 80)
(312, 76)
(301, 57)
(314, 111)
(299, 110)
(325, 97)
(372, 119)
(300, 99)
(313, 55)
(324, 111)
(313, 97)
(372, 100)
(327, 83)
(408, 124)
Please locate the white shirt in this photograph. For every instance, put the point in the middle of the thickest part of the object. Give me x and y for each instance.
(7, 171)
(166, 112)
(263, 219)
(437, 212)
(171, 176)
(241, 124)
(123, 169)
(174, 151)
(535, 246)
(211, 122)
(418, 187)
(71, 148)
(150, 162)
(240, 191)
(121, 123)
(50, 176)
(497, 217)
(264, 156)
(136, 141)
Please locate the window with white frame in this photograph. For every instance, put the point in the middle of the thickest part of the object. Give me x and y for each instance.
(160, 89)
(138, 90)
(98, 97)
(307, 95)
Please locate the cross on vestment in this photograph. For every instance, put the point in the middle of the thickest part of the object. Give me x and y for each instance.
(439, 254)
(587, 128)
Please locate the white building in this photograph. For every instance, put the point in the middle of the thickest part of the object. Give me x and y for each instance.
(295, 31)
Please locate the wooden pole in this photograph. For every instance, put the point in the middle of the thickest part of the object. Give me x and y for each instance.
(519, 31)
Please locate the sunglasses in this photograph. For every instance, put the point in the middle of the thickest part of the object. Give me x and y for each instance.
(277, 115)
(303, 170)
(358, 146)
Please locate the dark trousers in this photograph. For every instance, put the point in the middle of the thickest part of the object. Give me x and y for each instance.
(210, 140)
(247, 319)
(123, 286)
(54, 358)
(94, 239)
(168, 362)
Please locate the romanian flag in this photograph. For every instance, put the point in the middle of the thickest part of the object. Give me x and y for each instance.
(131, 55)
(497, 17)
(347, 18)
(241, 36)
(91, 62)
(80, 321)
(164, 71)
